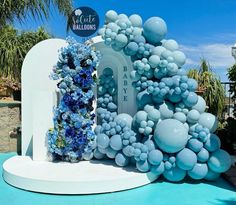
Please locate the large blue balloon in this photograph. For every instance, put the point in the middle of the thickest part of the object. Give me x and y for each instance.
(209, 121)
(171, 135)
(219, 161)
(186, 159)
(174, 174)
(154, 29)
(213, 143)
(199, 171)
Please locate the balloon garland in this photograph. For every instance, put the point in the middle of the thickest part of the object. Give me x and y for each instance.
(170, 135)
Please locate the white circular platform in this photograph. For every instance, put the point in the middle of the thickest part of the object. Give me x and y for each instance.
(85, 177)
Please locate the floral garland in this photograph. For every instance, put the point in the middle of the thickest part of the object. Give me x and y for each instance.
(72, 136)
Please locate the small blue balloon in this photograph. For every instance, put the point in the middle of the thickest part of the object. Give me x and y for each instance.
(98, 155)
(186, 159)
(116, 142)
(213, 143)
(143, 166)
(199, 171)
(191, 99)
(155, 157)
(219, 161)
(174, 174)
(209, 121)
(203, 155)
(102, 141)
(158, 169)
(111, 153)
(121, 160)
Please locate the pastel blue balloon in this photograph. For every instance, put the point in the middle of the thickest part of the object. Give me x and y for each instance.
(121, 160)
(180, 117)
(167, 81)
(174, 174)
(201, 105)
(154, 30)
(111, 153)
(102, 141)
(131, 48)
(193, 116)
(111, 16)
(139, 39)
(203, 155)
(219, 161)
(209, 121)
(171, 45)
(172, 69)
(166, 110)
(199, 171)
(158, 169)
(155, 157)
(116, 142)
(213, 143)
(191, 99)
(125, 117)
(98, 155)
(154, 60)
(148, 108)
(211, 176)
(150, 145)
(140, 116)
(171, 135)
(179, 58)
(121, 40)
(87, 155)
(154, 115)
(157, 50)
(136, 20)
(186, 159)
(143, 166)
(192, 84)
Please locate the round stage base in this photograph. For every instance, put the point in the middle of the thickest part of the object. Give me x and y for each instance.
(85, 177)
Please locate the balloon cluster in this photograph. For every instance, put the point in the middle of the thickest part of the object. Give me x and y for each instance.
(171, 134)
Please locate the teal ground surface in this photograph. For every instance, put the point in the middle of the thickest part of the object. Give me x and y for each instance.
(158, 193)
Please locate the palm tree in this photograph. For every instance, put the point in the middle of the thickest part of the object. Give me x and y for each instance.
(14, 45)
(210, 86)
(18, 9)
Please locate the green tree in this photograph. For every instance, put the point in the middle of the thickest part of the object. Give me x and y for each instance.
(232, 78)
(212, 90)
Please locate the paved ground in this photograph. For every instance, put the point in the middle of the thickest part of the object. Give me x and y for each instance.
(158, 193)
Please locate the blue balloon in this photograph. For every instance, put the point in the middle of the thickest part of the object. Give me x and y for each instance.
(166, 110)
(171, 45)
(201, 105)
(98, 155)
(186, 159)
(199, 171)
(174, 174)
(121, 160)
(143, 166)
(209, 121)
(193, 116)
(203, 155)
(191, 99)
(136, 20)
(158, 169)
(180, 117)
(219, 161)
(213, 143)
(102, 141)
(154, 30)
(116, 142)
(211, 176)
(125, 117)
(155, 157)
(111, 153)
(171, 135)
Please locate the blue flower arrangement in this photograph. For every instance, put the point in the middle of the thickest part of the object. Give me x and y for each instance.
(72, 138)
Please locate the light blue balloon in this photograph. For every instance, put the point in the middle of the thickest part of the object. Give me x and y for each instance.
(139, 39)
(192, 84)
(209, 121)
(143, 166)
(186, 159)
(98, 155)
(171, 135)
(131, 48)
(154, 60)
(191, 99)
(121, 40)
(203, 155)
(199, 171)
(166, 110)
(102, 141)
(154, 30)
(211, 176)
(179, 58)
(213, 143)
(155, 157)
(136, 20)
(111, 16)
(154, 115)
(219, 161)
(193, 116)
(201, 105)
(157, 50)
(111, 153)
(87, 155)
(174, 174)
(150, 145)
(116, 142)
(158, 169)
(180, 117)
(171, 45)
(125, 117)
(143, 98)
(121, 160)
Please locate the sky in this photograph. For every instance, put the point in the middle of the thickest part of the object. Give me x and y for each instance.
(203, 28)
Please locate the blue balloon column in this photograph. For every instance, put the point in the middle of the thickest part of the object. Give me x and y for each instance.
(171, 134)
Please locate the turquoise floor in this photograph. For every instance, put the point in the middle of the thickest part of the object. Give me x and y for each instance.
(158, 193)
